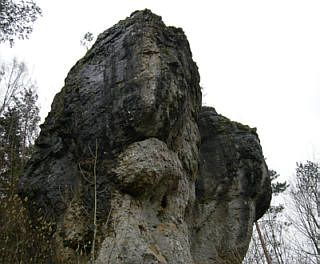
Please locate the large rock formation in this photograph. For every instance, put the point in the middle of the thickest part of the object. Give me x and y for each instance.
(172, 182)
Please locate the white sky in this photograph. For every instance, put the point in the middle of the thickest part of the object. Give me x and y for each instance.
(259, 61)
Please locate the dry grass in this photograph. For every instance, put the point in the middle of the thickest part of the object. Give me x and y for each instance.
(21, 240)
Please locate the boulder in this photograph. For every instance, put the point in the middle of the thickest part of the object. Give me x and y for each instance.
(130, 168)
(232, 190)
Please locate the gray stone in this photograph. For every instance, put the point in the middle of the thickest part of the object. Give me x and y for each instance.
(233, 189)
(130, 114)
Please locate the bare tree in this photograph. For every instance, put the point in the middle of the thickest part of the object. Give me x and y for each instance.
(304, 211)
(268, 243)
(13, 79)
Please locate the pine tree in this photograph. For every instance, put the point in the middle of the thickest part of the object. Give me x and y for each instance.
(20, 240)
(19, 118)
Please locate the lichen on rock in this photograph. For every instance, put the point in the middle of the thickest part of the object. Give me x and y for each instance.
(174, 182)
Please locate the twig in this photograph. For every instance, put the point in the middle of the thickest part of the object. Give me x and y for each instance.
(83, 175)
(95, 202)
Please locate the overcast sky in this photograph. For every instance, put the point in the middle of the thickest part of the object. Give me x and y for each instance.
(259, 61)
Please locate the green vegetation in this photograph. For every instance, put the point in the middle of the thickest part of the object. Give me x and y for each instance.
(22, 238)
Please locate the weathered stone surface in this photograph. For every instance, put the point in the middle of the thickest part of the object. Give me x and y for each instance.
(130, 117)
(233, 189)
(144, 164)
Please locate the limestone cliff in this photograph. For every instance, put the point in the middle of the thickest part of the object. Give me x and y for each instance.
(172, 182)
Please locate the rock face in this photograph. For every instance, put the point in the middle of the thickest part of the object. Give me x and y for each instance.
(232, 190)
(172, 182)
